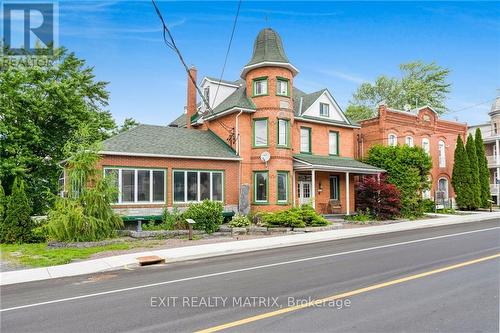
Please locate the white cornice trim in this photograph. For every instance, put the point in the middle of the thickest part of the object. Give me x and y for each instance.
(229, 111)
(222, 83)
(245, 70)
(326, 122)
(335, 168)
(119, 153)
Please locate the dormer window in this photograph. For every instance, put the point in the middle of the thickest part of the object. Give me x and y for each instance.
(260, 86)
(324, 110)
(282, 87)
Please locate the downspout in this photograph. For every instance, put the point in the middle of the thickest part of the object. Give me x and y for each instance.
(237, 130)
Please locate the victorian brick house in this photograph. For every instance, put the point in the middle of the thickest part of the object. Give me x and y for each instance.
(491, 136)
(420, 127)
(256, 143)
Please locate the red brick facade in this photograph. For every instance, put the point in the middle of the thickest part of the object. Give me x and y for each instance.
(421, 125)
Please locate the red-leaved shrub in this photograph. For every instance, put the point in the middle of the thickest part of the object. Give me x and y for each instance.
(382, 199)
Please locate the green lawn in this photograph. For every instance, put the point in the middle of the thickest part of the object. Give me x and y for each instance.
(39, 255)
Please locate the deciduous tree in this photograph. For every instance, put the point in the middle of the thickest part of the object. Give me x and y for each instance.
(420, 84)
(41, 107)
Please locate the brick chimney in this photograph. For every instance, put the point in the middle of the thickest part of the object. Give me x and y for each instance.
(191, 96)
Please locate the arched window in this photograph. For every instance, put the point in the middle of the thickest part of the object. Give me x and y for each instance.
(443, 187)
(409, 141)
(392, 140)
(426, 146)
(442, 154)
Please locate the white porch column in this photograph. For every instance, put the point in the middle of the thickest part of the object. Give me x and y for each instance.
(313, 188)
(495, 157)
(497, 186)
(347, 194)
(294, 190)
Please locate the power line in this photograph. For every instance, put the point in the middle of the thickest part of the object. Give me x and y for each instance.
(228, 49)
(170, 42)
(470, 106)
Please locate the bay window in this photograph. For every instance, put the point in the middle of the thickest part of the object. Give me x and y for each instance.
(197, 185)
(137, 185)
(260, 132)
(282, 186)
(260, 86)
(261, 187)
(282, 87)
(283, 133)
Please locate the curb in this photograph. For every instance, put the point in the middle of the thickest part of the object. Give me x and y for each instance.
(234, 247)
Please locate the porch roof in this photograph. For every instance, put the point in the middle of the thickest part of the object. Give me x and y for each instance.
(333, 163)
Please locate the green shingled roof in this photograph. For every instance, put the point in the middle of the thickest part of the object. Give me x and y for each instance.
(307, 100)
(268, 47)
(179, 121)
(162, 140)
(335, 161)
(238, 99)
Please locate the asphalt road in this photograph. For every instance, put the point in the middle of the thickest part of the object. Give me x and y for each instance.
(406, 289)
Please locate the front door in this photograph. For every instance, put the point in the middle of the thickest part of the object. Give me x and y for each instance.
(304, 191)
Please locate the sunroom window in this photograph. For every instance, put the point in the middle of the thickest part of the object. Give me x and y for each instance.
(138, 185)
(197, 185)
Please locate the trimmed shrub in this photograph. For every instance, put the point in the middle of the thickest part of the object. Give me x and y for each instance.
(361, 217)
(311, 218)
(17, 224)
(172, 220)
(207, 215)
(381, 199)
(294, 218)
(291, 218)
(239, 221)
(428, 205)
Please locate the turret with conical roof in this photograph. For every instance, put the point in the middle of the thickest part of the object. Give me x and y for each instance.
(495, 108)
(268, 51)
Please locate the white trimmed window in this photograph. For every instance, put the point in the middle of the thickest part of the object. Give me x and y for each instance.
(197, 185)
(283, 135)
(442, 154)
(260, 132)
(392, 140)
(260, 86)
(409, 141)
(426, 146)
(138, 185)
(305, 140)
(333, 143)
(282, 185)
(324, 110)
(261, 187)
(282, 87)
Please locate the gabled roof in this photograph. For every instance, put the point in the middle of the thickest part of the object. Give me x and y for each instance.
(179, 121)
(335, 162)
(237, 100)
(215, 80)
(162, 141)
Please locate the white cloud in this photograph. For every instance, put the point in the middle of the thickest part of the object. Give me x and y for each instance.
(344, 76)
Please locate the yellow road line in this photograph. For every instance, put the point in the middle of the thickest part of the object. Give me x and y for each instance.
(343, 295)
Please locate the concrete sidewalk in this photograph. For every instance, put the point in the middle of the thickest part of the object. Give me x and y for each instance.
(219, 249)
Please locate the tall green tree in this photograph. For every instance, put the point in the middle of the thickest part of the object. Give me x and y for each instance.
(41, 108)
(461, 177)
(17, 225)
(2, 203)
(128, 123)
(470, 148)
(484, 172)
(408, 168)
(420, 84)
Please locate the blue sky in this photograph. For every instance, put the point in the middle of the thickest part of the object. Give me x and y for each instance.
(336, 45)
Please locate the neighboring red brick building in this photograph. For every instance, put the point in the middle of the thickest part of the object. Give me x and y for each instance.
(420, 127)
(268, 144)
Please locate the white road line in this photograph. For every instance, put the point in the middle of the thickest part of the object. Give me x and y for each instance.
(244, 269)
